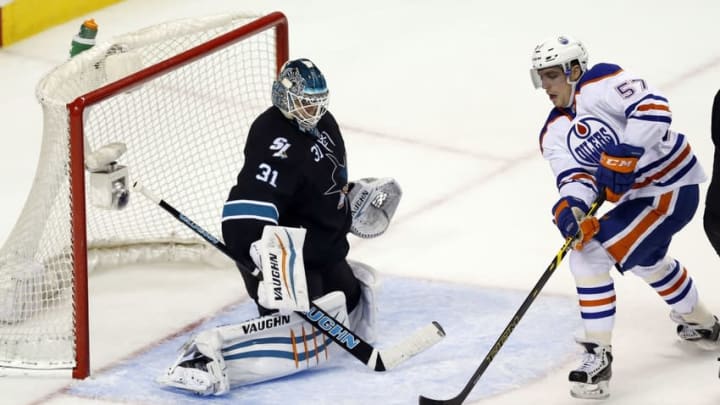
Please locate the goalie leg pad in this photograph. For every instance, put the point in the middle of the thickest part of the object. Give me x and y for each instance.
(279, 345)
(257, 350)
(363, 317)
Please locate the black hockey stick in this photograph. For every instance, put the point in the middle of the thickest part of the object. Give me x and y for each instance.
(459, 398)
(345, 338)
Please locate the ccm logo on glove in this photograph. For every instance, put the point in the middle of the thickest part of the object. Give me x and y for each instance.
(622, 165)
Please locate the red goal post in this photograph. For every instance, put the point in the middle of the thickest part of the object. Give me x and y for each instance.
(179, 97)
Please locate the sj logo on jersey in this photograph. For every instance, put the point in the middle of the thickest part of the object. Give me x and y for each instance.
(587, 138)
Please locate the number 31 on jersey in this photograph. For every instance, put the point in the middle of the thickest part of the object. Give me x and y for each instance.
(266, 173)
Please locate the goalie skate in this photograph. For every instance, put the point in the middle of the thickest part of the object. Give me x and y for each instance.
(706, 337)
(198, 375)
(199, 367)
(591, 380)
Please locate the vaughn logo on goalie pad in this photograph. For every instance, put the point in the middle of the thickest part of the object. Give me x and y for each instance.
(283, 284)
(276, 282)
(265, 323)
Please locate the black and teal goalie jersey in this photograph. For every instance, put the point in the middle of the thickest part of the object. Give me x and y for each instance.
(291, 178)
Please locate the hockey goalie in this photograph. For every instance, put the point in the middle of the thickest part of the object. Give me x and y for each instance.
(288, 217)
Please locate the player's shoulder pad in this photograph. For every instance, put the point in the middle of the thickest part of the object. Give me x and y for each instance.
(328, 120)
(557, 115)
(598, 73)
(558, 118)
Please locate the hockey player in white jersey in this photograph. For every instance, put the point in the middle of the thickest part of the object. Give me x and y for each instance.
(609, 132)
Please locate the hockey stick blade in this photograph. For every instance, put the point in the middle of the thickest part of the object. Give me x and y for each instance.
(420, 341)
(429, 401)
(345, 338)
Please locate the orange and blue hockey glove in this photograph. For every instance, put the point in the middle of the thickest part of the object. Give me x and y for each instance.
(616, 173)
(570, 218)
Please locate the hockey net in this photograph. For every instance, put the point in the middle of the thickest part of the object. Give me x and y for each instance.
(181, 97)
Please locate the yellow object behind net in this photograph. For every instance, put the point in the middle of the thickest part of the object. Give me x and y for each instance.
(20, 19)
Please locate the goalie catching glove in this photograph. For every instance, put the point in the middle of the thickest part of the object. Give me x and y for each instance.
(278, 255)
(372, 204)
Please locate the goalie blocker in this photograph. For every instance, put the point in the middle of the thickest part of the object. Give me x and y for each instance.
(279, 256)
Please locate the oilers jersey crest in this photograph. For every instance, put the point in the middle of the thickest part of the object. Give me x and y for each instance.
(587, 138)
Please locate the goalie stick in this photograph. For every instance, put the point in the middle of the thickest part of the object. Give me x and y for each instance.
(459, 398)
(377, 360)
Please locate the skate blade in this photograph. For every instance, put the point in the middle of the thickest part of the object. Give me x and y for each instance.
(702, 344)
(600, 390)
(708, 345)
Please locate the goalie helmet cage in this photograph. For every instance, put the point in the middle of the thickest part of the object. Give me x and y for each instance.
(185, 96)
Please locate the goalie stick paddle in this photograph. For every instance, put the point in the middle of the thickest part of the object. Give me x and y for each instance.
(459, 398)
(377, 360)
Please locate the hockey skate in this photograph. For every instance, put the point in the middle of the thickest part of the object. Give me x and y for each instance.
(198, 374)
(704, 336)
(191, 375)
(591, 380)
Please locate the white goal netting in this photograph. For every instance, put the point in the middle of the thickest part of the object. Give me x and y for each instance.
(183, 121)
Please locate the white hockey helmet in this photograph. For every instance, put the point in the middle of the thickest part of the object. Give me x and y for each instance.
(558, 51)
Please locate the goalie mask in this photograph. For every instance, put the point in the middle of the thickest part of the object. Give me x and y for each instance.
(301, 93)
